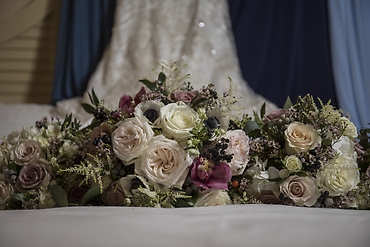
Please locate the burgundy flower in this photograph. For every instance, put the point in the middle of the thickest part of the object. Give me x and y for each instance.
(127, 105)
(207, 175)
(77, 192)
(114, 195)
(267, 197)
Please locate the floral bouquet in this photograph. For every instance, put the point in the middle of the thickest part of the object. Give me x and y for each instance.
(306, 155)
(173, 146)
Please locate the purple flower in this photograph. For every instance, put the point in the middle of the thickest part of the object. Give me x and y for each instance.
(127, 105)
(207, 175)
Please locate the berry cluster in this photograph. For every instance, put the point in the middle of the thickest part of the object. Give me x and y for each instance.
(100, 114)
(218, 153)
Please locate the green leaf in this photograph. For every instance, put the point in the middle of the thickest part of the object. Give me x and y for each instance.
(59, 196)
(182, 203)
(90, 194)
(198, 101)
(161, 78)
(149, 84)
(19, 196)
(88, 108)
(288, 103)
(94, 97)
(263, 110)
(250, 126)
(14, 167)
(67, 121)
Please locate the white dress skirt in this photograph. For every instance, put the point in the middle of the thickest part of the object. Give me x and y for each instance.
(195, 33)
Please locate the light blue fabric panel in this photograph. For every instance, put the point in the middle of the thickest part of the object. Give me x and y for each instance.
(350, 46)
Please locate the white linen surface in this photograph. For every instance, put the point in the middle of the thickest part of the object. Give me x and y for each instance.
(233, 225)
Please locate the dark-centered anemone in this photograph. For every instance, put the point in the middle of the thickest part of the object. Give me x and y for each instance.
(151, 115)
(212, 123)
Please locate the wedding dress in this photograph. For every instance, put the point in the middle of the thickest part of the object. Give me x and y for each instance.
(193, 32)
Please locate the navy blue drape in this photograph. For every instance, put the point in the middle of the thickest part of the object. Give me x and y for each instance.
(84, 31)
(283, 47)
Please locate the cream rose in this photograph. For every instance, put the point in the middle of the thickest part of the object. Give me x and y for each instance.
(292, 163)
(302, 190)
(6, 191)
(350, 130)
(177, 120)
(164, 163)
(300, 138)
(339, 176)
(26, 152)
(213, 197)
(130, 139)
(32, 176)
(239, 147)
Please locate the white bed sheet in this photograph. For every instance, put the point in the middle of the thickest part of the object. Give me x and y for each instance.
(13, 117)
(232, 225)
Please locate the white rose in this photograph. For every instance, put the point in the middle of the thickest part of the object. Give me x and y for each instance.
(53, 129)
(164, 163)
(130, 139)
(292, 163)
(339, 176)
(177, 120)
(239, 146)
(300, 138)
(302, 190)
(149, 111)
(213, 197)
(345, 146)
(350, 130)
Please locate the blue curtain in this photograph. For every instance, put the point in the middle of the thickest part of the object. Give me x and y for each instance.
(283, 47)
(84, 31)
(350, 45)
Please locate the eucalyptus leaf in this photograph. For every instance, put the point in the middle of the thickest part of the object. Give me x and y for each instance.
(288, 103)
(250, 126)
(19, 196)
(90, 194)
(14, 167)
(88, 108)
(59, 196)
